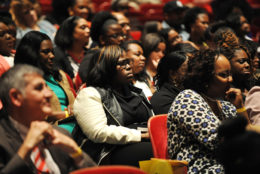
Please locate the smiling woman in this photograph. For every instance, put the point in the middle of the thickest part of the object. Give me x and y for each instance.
(36, 49)
(110, 110)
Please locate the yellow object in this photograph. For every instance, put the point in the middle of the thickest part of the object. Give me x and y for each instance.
(163, 166)
(243, 109)
(67, 114)
(76, 154)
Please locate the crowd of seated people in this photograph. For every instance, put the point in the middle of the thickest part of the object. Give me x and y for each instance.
(84, 72)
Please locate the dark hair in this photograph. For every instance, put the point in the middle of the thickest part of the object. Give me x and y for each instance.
(200, 70)
(171, 7)
(191, 15)
(150, 43)
(126, 44)
(185, 47)
(239, 149)
(84, 66)
(251, 47)
(116, 5)
(28, 52)
(103, 66)
(233, 21)
(171, 61)
(64, 36)
(97, 26)
(150, 27)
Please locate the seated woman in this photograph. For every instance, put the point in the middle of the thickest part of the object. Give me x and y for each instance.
(170, 74)
(27, 18)
(134, 50)
(196, 112)
(70, 40)
(36, 49)
(7, 42)
(154, 50)
(110, 111)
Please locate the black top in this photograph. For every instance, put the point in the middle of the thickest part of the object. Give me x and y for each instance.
(162, 100)
(134, 111)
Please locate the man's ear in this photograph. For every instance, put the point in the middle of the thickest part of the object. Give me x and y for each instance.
(16, 97)
(166, 16)
(70, 11)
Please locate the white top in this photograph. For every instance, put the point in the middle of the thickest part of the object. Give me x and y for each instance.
(145, 88)
(91, 117)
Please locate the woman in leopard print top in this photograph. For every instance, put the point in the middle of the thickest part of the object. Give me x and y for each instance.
(196, 112)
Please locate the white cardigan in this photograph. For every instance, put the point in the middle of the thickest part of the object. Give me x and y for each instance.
(92, 119)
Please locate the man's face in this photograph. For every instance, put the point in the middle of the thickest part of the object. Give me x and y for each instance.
(175, 19)
(36, 98)
(201, 24)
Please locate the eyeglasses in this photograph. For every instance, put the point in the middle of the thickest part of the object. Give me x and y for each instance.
(123, 63)
(115, 36)
(225, 75)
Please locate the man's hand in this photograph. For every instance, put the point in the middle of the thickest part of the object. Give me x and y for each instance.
(38, 131)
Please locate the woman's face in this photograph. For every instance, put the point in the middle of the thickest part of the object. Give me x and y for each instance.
(157, 54)
(240, 64)
(6, 40)
(222, 78)
(245, 26)
(201, 24)
(174, 38)
(135, 52)
(113, 36)
(30, 16)
(124, 70)
(81, 31)
(80, 9)
(47, 54)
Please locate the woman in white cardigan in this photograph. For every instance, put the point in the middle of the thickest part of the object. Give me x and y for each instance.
(110, 110)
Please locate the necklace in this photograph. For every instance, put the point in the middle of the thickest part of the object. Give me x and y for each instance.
(214, 106)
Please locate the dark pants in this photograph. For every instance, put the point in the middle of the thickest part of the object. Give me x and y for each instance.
(131, 154)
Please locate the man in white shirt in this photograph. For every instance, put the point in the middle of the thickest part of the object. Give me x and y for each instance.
(28, 144)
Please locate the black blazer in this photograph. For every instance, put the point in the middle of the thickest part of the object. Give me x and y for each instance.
(11, 163)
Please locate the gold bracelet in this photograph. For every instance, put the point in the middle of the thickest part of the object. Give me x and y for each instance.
(67, 114)
(76, 154)
(240, 110)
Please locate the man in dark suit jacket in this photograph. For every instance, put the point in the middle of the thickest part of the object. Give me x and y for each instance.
(26, 103)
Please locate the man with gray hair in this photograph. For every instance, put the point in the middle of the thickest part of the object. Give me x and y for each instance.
(28, 144)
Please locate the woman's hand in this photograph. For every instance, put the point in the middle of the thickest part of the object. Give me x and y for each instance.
(145, 135)
(234, 96)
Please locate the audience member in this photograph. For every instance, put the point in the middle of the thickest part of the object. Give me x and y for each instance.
(197, 112)
(168, 80)
(125, 24)
(173, 12)
(134, 50)
(239, 149)
(151, 27)
(59, 12)
(154, 50)
(105, 30)
(240, 68)
(26, 19)
(71, 40)
(80, 8)
(7, 42)
(110, 110)
(240, 25)
(196, 22)
(36, 49)
(29, 144)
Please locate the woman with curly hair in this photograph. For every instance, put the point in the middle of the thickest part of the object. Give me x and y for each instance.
(197, 112)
